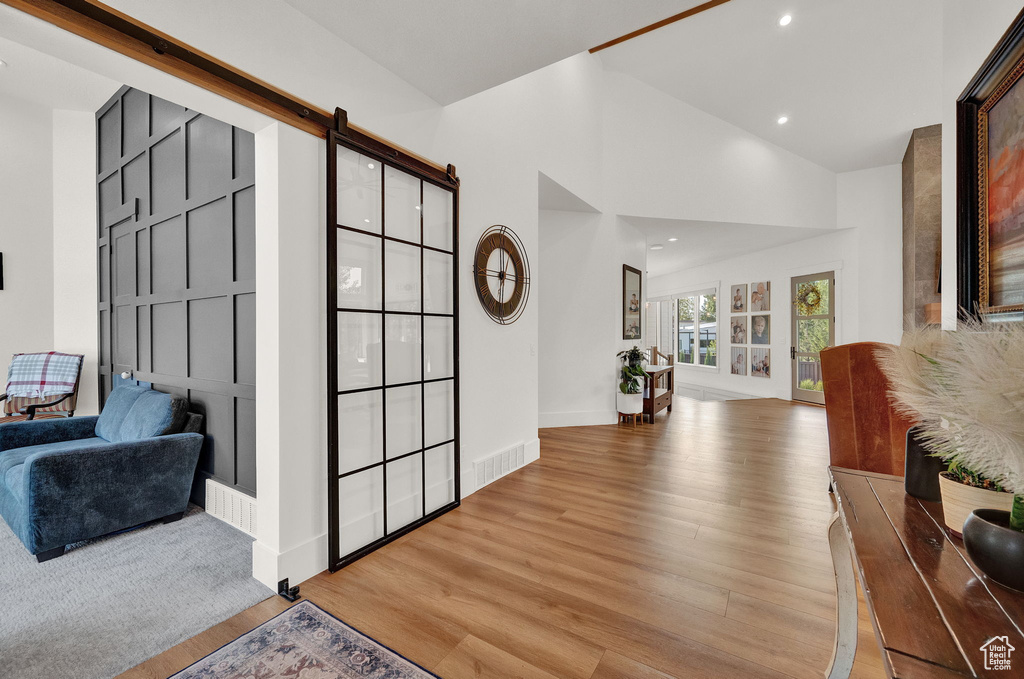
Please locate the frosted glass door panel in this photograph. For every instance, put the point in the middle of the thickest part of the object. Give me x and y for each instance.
(401, 205)
(437, 217)
(402, 271)
(439, 347)
(361, 509)
(437, 279)
(439, 408)
(360, 430)
(403, 347)
(393, 374)
(440, 478)
(359, 204)
(405, 420)
(358, 271)
(405, 491)
(359, 359)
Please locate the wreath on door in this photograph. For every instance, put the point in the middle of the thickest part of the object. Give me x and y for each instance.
(808, 300)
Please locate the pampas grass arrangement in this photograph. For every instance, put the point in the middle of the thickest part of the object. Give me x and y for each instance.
(966, 391)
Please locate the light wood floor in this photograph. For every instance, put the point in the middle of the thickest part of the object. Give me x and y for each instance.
(692, 548)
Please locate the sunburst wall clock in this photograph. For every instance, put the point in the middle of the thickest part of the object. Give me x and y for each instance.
(501, 271)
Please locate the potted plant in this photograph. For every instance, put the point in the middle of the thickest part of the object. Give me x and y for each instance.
(630, 398)
(965, 390)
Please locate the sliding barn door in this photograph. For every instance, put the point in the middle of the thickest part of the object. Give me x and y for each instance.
(393, 426)
(177, 262)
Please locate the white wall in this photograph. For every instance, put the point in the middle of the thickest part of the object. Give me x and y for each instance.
(871, 201)
(74, 247)
(26, 230)
(291, 460)
(866, 255)
(580, 301)
(970, 29)
(665, 158)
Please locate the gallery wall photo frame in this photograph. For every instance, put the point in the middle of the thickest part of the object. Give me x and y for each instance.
(632, 301)
(760, 362)
(760, 296)
(738, 361)
(738, 329)
(990, 201)
(761, 329)
(738, 298)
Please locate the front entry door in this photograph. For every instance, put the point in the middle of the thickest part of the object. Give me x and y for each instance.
(814, 329)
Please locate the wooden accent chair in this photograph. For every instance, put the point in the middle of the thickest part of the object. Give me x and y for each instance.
(864, 431)
(22, 408)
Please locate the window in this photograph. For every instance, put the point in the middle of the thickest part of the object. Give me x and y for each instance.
(697, 338)
(688, 325)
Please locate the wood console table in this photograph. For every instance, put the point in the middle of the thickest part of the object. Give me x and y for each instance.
(931, 609)
(658, 388)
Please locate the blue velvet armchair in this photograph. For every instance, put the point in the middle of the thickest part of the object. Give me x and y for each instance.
(67, 480)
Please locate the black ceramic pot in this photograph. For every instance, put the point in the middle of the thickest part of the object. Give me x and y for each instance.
(921, 470)
(995, 548)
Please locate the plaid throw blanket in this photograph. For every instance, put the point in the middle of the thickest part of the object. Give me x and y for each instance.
(42, 375)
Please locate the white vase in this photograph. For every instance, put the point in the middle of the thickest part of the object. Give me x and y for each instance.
(629, 404)
(958, 501)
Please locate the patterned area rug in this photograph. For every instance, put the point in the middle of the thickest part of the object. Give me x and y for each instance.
(304, 642)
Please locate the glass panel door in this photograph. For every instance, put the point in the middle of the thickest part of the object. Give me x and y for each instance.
(393, 430)
(814, 316)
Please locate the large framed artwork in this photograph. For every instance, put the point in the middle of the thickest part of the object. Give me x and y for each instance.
(990, 182)
(632, 299)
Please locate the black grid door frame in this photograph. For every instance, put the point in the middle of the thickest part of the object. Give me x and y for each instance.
(337, 560)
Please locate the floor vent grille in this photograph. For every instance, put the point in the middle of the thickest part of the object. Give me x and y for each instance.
(232, 507)
(499, 464)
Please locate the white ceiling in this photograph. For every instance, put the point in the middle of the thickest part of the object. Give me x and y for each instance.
(454, 49)
(855, 77)
(708, 242)
(48, 81)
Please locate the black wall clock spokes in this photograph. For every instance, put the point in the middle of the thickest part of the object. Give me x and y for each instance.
(501, 272)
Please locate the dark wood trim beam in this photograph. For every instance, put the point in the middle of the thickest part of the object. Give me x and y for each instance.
(655, 26)
(120, 32)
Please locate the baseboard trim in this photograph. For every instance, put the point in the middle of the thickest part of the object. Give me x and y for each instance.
(297, 564)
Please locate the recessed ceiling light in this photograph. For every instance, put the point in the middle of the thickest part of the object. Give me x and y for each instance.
(367, 221)
(369, 165)
(672, 240)
(783, 120)
(658, 247)
(786, 18)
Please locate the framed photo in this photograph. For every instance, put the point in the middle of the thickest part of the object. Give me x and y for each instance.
(632, 300)
(738, 329)
(760, 362)
(990, 184)
(738, 301)
(761, 329)
(739, 361)
(759, 296)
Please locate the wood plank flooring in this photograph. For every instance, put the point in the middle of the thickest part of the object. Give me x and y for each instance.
(695, 547)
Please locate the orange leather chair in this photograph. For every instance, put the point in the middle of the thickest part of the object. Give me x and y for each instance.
(864, 431)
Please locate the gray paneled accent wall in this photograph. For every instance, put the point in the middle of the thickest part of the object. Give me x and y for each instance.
(177, 262)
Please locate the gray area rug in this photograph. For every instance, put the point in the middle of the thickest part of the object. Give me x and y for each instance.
(305, 641)
(110, 603)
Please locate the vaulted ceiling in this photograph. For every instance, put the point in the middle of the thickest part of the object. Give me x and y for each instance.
(454, 49)
(854, 78)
